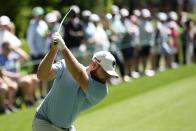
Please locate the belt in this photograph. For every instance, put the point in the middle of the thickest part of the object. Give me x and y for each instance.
(39, 116)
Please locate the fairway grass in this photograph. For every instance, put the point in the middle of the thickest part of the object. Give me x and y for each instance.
(165, 102)
(169, 108)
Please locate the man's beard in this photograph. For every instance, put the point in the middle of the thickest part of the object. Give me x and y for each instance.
(93, 74)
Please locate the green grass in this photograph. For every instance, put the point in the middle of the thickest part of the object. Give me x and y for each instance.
(162, 103)
(169, 108)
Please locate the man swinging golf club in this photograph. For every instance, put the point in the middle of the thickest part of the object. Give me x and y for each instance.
(75, 89)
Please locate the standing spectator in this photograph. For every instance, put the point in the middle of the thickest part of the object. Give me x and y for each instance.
(135, 39)
(36, 36)
(187, 39)
(165, 39)
(74, 31)
(88, 26)
(136, 18)
(146, 38)
(194, 45)
(126, 45)
(156, 48)
(100, 38)
(89, 31)
(113, 47)
(173, 17)
(118, 31)
(52, 21)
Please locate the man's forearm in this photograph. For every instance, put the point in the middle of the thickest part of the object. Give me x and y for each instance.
(45, 65)
(72, 63)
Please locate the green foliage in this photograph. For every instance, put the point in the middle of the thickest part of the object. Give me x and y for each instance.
(22, 21)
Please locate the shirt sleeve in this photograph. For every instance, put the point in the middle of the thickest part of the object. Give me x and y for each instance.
(59, 68)
(96, 91)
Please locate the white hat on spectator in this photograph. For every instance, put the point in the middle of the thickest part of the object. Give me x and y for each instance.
(124, 12)
(4, 20)
(115, 9)
(146, 13)
(76, 9)
(109, 16)
(94, 18)
(86, 13)
(137, 12)
(107, 61)
(50, 18)
(173, 15)
(57, 13)
(162, 16)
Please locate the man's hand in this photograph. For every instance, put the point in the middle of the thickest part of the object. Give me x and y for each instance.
(58, 41)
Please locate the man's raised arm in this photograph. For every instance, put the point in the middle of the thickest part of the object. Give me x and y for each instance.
(45, 71)
(75, 68)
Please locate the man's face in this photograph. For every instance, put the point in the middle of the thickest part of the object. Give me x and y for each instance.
(99, 73)
(6, 49)
(4, 27)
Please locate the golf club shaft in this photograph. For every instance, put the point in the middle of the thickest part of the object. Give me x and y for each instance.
(63, 20)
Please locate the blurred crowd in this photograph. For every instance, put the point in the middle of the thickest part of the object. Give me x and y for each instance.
(143, 43)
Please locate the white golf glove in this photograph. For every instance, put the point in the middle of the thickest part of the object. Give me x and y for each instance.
(57, 39)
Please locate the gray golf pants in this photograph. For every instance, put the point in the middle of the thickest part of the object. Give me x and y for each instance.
(42, 125)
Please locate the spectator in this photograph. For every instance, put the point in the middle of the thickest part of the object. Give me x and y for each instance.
(73, 31)
(89, 31)
(52, 21)
(187, 39)
(8, 90)
(116, 52)
(6, 35)
(36, 36)
(118, 31)
(135, 38)
(99, 39)
(194, 45)
(146, 38)
(27, 83)
(165, 39)
(156, 48)
(3, 92)
(172, 23)
(126, 45)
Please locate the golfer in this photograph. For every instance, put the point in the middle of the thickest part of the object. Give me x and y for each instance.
(75, 89)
